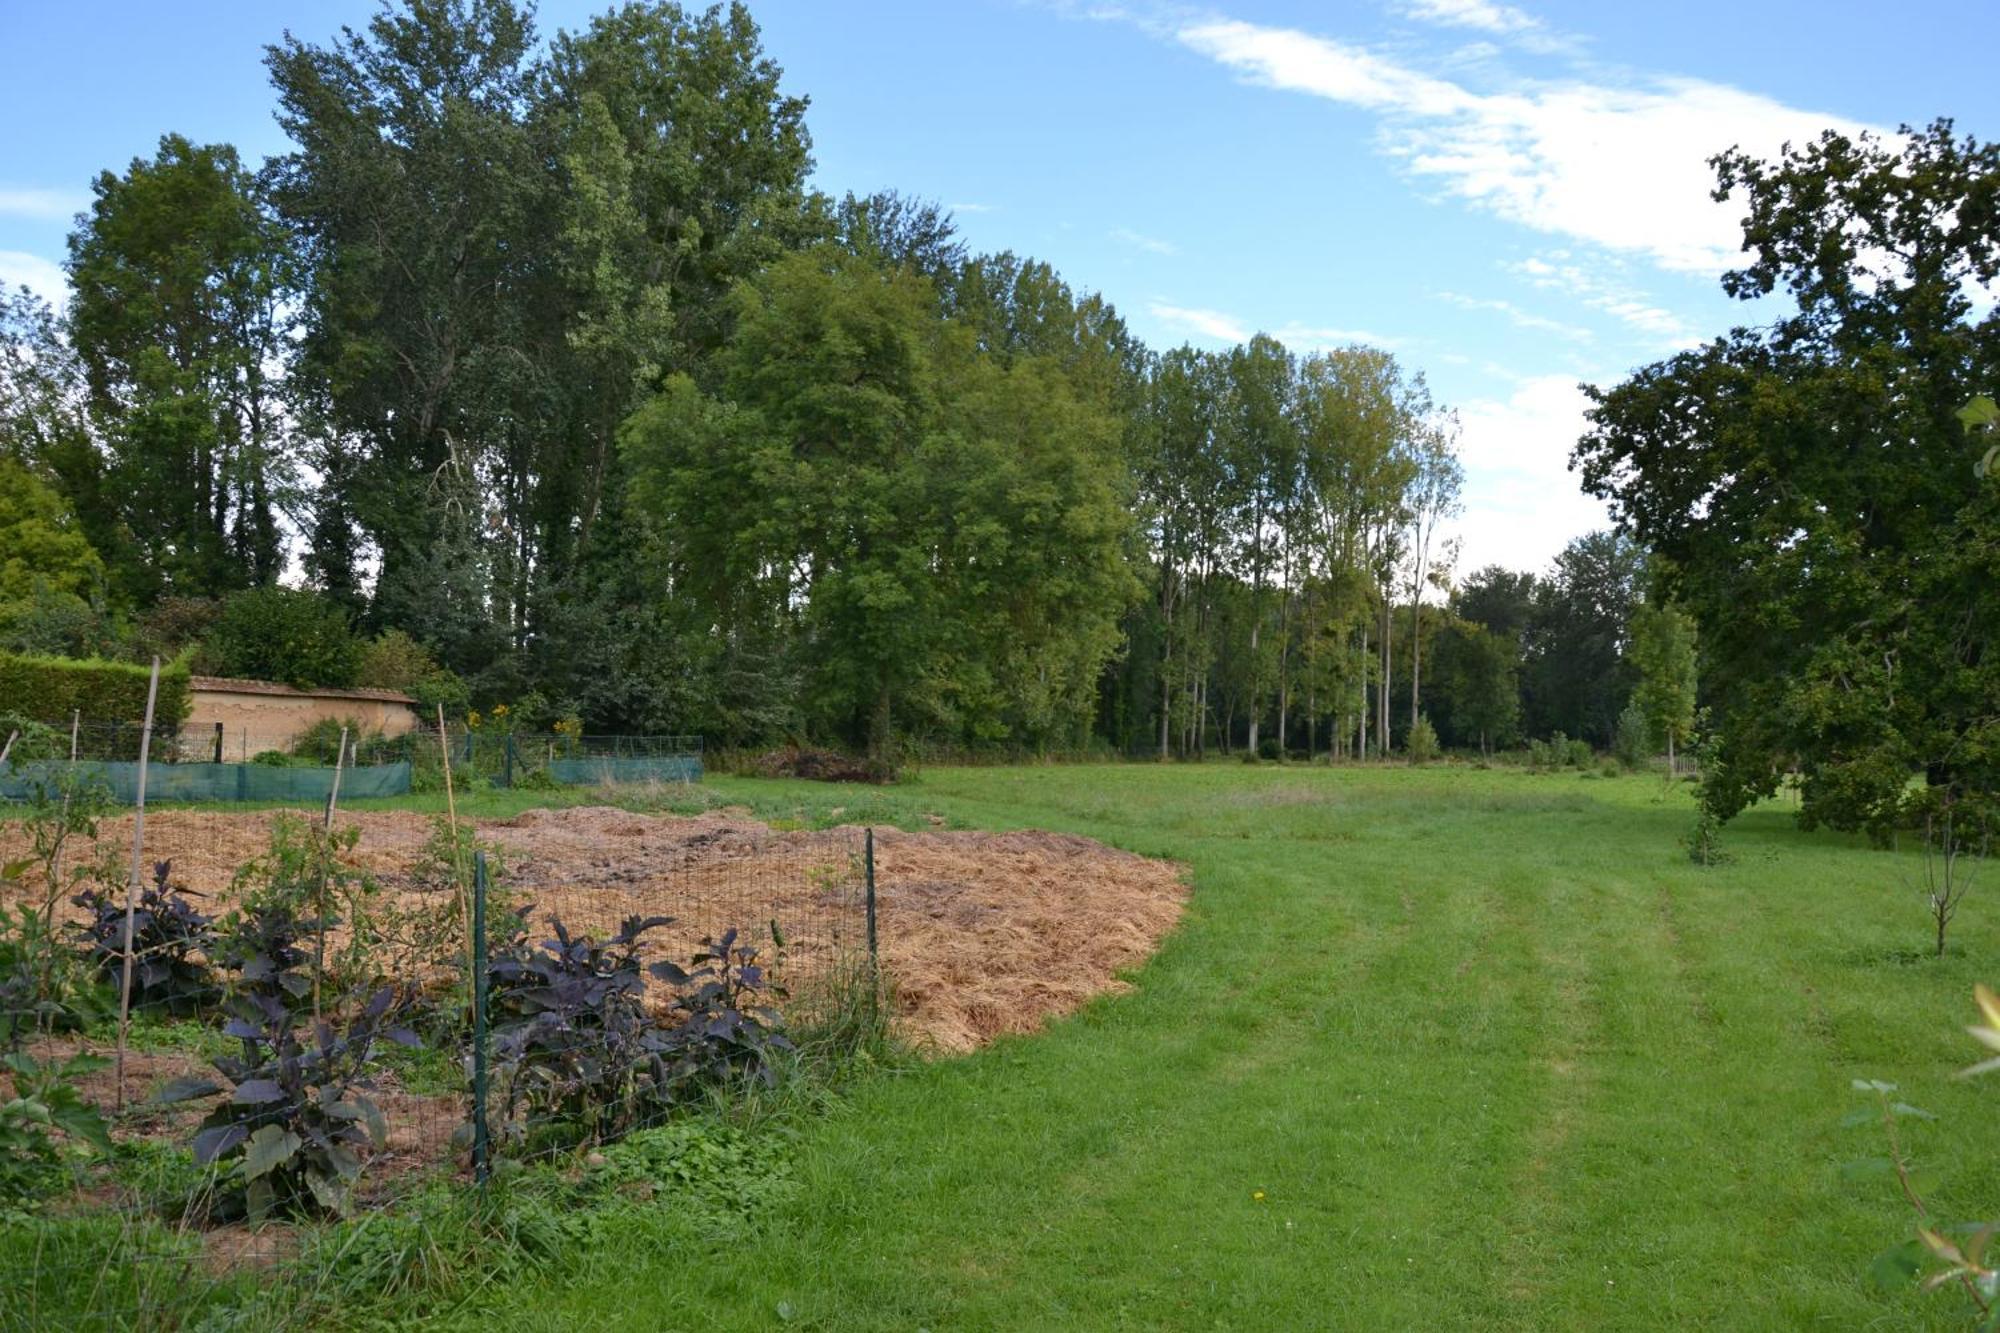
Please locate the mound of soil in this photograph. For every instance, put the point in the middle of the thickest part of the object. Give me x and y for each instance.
(980, 933)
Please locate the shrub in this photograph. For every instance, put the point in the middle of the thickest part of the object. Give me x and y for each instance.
(42, 984)
(393, 660)
(285, 634)
(1422, 743)
(1269, 750)
(1578, 754)
(319, 744)
(1632, 742)
(51, 688)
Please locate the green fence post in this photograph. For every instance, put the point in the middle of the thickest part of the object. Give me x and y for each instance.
(507, 762)
(481, 1145)
(218, 742)
(869, 851)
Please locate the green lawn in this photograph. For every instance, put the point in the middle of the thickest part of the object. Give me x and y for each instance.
(1493, 1052)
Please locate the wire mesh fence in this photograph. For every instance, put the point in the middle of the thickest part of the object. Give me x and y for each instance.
(287, 1023)
(218, 763)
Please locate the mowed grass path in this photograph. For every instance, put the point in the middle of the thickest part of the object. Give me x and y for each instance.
(1494, 1053)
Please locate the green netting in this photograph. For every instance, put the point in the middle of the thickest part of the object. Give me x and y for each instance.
(212, 782)
(593, 769)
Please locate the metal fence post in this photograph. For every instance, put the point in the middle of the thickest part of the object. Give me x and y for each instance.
(507, 762)
(481, 1146)
(218, 742)
(869, 851)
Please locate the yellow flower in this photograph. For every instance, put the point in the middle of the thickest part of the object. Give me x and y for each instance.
(472, 720)
(1257, 1195)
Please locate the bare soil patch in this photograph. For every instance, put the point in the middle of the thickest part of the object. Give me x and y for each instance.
(980, 933)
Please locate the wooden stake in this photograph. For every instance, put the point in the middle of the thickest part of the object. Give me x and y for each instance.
(451, 822)
(132, 884)
(326, 850)
(12, 736)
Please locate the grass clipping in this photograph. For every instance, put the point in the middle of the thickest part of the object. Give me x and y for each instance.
(980, 933)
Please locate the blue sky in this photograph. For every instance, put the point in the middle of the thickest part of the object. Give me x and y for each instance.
(1511, 197)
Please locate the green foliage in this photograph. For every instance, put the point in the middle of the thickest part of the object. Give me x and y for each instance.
(308, 875)
(1843, 595)
(288, 635)
(50, 689)
(1704, 840)
(41, 543)
(1632, 743)
(43, 984)
(45, 1119)
(1421, 745)
(175, 272)
(392, 660)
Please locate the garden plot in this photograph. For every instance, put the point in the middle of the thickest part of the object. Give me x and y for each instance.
(980, 933)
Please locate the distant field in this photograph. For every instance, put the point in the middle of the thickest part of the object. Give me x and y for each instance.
(1433, 1049)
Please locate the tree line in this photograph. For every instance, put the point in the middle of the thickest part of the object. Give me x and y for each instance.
(536, 372)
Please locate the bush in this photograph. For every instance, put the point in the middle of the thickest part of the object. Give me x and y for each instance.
(1269, 750)
(393, 660)
(285, 634)
(1632, 743)
(51, 688)
(1422, 744)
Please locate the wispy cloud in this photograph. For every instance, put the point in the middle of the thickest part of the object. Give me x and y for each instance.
(18, 268)
(1623, 167)
(1483, 15)
(1559, 271)
(1526, 319)
(27, 201)
(1152, 245)
(969, 208)
(1207, 323)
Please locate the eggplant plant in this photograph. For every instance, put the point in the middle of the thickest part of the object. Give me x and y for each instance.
(170, 940)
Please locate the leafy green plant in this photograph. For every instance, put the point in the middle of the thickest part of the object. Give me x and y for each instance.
(42, 983)
(726, 1032)
(284, 634)
(1704, 840)
(1942, 1255)
(1632, 741)
(169, 940)
(310, 871)
(1422, 743)
(45, 1116)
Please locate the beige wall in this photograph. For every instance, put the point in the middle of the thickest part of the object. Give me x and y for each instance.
(258, 721)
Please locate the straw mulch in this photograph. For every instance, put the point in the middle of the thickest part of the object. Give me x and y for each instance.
(981, 933)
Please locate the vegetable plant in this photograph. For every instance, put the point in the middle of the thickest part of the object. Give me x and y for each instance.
(298, 1112)
(45, 1114)
(170, 939)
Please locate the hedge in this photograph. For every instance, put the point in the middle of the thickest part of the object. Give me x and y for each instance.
(51, 688)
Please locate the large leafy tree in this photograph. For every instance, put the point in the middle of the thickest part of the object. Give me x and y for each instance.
(1810, 486)
(939, 536)
(176, 271)
(1576, 677)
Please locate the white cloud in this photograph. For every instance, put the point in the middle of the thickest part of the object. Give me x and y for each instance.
(1208, 323)
(18, 268)
(1559, 271)
(1481, 14)
(1522, 504)
(1526, 319)
(1152, 245)
(27, 201)
(1622, 167)
(968, 208)
(1318, 338)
